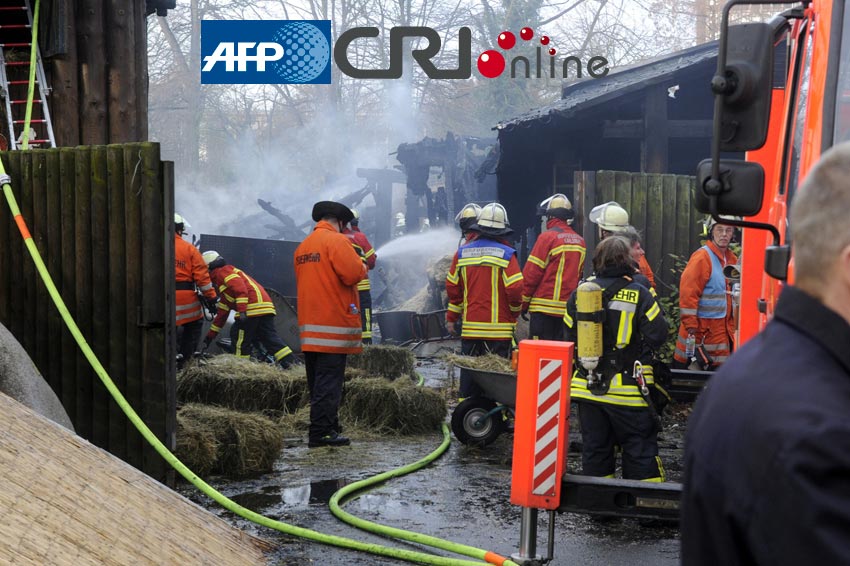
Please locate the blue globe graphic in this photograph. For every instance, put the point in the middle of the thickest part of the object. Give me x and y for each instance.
(306, 52)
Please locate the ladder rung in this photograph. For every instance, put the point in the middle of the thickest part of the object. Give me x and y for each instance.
(11, 8)
(22, 82)
(31, 121)
(15, 44)
(34, 101)
(35, 141)
(17, 63)
(15, 26)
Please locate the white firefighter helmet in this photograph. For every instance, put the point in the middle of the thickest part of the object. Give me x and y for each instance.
(557, 206)
(558, 200)
(210, 256)
(180, 223)
(493, 220)
(710, 223)
(355, 213)
(470, 210)
(610, 217)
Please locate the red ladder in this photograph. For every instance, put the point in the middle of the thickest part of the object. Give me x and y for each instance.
(15, 45)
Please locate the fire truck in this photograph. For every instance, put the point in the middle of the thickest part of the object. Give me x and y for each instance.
(782, 95)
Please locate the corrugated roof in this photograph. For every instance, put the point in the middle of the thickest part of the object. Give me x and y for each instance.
(619, 82)
(68, 503)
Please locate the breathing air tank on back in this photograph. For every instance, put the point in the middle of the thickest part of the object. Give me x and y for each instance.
(589, 316)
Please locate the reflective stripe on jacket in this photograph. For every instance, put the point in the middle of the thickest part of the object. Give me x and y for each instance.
(484, 287)
(365, 251)
(712, 302)
(327, 270)
(635, 323)
(553, 269)
(239, 292)
(189, 267)
(715, 334)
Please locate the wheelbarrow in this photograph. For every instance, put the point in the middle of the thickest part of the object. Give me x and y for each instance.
(480, 419)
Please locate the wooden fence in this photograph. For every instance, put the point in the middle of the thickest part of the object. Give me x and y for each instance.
(102, 218)
(660, 207)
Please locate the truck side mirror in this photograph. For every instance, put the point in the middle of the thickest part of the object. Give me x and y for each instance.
(741, 188)
(746, 87)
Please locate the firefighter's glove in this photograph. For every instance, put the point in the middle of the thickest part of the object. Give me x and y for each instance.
(211, 305)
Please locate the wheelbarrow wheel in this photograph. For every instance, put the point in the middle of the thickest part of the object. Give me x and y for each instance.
(473, 426)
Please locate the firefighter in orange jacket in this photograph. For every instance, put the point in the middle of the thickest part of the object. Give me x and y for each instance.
(254, 309)
(553, 270)
(189, 272)
(484, 287)
(705, 304)
(327, 270)
(367, 253)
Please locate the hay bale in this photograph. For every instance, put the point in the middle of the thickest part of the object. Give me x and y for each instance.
(387, 361)
(243, 385)
(246, 443)
(391, 407)
(197, 447)
(489, 362)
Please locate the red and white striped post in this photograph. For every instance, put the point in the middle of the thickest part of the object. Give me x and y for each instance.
(541, 433)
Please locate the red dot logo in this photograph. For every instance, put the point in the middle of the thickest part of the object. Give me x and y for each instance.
(544, 40)
(491, 64)
(506, 40)
(552, 51)
(526, 33)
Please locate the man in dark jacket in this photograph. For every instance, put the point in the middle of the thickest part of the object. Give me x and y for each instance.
(767, 456)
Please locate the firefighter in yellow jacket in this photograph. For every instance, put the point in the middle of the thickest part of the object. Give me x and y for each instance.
(612, 390)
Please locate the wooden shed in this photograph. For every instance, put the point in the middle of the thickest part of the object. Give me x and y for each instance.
(653, 117)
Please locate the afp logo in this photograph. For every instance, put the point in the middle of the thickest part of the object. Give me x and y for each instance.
(266, 52)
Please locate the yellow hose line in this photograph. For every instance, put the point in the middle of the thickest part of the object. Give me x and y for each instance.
(167, 455)
(31, 87)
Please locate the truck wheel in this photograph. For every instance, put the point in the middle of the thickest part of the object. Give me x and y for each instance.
(472, 426)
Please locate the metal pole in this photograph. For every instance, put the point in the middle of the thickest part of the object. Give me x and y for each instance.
(527, 537)
(550, 551)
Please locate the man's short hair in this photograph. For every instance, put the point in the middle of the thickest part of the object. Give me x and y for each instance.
(819, 218)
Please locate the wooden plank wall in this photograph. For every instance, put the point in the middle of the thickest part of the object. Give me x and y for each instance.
(102, 218)
(660, 207)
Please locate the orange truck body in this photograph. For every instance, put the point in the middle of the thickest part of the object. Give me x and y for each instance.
(795, 141)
